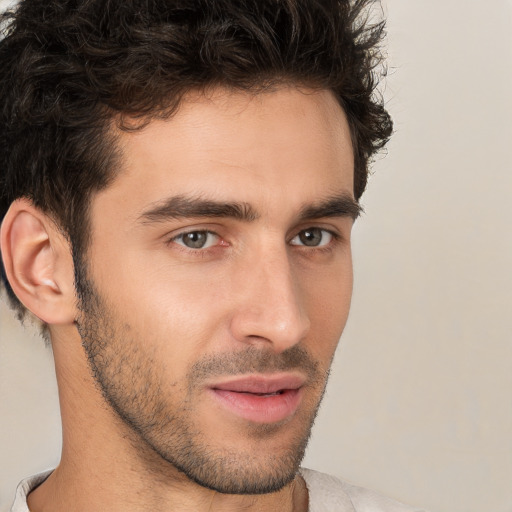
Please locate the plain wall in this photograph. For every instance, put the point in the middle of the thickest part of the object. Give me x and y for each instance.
(419, 405)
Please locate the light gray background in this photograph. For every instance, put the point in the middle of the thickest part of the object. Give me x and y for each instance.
(419, 405)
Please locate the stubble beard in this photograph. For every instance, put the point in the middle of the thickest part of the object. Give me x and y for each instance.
(164, 432)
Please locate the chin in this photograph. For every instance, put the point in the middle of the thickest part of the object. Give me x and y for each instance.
(263, 460)
(237, 474)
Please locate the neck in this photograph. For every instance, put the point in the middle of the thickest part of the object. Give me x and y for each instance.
(92, 485)
(64, 491)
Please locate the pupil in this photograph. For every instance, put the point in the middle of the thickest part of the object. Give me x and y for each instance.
(311, 237)
(195, 240)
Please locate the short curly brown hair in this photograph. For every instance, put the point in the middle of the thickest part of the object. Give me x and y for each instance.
(69, 67)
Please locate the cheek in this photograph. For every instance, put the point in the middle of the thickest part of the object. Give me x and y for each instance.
(171, 309)
(328, 305)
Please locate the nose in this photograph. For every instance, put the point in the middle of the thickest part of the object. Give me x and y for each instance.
(270, 308)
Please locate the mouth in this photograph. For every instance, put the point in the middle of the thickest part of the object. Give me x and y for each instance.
(259, 398)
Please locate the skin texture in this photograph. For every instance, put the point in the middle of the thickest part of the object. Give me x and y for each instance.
(160, 323)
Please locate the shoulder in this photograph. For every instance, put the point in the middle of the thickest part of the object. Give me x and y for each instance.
(328, 493)
(23, 490)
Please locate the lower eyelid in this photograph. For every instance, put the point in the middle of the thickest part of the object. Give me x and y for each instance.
(218, 240)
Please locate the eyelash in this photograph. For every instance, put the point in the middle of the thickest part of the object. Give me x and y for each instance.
(336, 238)
(174, 239)
(323, 231)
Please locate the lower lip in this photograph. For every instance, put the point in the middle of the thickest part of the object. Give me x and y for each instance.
(260, 408)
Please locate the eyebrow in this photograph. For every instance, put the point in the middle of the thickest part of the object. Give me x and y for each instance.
(181, 207)
(342, 205)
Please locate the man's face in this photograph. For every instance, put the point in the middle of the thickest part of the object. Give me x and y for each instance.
(219, 279)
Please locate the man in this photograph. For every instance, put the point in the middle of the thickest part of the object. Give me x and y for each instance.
(179, 184)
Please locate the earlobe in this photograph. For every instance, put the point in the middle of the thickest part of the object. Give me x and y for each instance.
(38, 263)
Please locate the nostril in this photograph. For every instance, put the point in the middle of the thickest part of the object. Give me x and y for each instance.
(270, 308)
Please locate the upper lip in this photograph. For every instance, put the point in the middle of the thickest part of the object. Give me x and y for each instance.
(260, 383)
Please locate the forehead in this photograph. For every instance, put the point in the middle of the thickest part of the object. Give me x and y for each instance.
(287, 144)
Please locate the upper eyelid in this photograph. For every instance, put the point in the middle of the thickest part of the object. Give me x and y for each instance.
(332, 231)
(188, 231)
(335, 235)
(184, 231)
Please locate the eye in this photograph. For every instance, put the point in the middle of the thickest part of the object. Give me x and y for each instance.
(197, 239)
(313, 237)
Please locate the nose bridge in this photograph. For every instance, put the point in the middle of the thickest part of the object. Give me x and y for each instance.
(272, 307)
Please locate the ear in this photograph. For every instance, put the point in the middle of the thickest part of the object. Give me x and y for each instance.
(38, 263)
